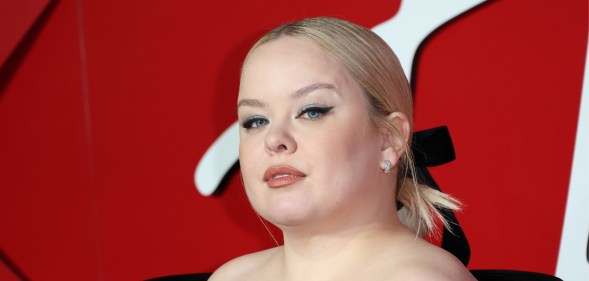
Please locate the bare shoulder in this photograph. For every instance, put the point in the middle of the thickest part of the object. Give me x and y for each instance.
(429, 262)
(247, 265)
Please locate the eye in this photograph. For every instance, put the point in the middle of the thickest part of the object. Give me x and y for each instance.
(254, 122)
(313, 113)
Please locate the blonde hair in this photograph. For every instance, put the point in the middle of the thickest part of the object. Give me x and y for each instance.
(377, 70)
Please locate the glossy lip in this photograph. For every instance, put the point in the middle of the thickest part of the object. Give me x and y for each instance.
(288, 176)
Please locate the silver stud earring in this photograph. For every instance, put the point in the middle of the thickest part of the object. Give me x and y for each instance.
(387, 166)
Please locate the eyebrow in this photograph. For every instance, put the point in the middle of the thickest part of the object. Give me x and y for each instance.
(295, 95)
(307, 89)
(250, 102)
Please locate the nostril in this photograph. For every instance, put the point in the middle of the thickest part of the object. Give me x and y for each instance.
(278, 140)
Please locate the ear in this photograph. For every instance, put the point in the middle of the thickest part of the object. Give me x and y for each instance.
(394, 143)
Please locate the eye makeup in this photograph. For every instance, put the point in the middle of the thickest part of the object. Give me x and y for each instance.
(313, 112)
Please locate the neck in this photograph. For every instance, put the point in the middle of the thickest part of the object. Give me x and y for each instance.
(343, 239)
(306, 256)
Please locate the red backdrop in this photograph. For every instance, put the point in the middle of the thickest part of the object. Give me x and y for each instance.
(107, 106)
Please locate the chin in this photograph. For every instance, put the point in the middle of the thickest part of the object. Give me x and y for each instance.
(287, 215)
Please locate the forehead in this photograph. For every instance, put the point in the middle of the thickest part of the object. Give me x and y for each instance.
(289, 63)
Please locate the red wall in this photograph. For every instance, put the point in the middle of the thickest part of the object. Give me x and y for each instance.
(107, 106)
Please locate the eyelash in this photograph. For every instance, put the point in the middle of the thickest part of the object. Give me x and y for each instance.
(253, 122)
(250, 122)
(321, 110)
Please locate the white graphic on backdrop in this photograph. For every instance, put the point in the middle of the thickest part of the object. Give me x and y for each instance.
(217, 161)
(415, 20)
(573, 256)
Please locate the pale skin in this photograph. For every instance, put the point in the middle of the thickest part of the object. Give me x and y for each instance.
(301, 108)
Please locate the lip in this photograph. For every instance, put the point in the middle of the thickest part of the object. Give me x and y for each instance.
(282, 175)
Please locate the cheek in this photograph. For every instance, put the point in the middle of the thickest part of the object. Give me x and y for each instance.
(250, 160)
(251, 148)
(351, 140)
(349, 154)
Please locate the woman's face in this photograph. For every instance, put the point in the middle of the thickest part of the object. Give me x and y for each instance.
(308, 151)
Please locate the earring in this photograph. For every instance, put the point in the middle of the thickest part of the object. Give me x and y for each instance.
(387, 166)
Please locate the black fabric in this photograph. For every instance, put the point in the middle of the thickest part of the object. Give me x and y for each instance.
(453, 241)
(434, 147)
(183, 277)
(511, 275)
(480, 275)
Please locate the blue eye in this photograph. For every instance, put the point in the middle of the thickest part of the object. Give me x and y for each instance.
(313, 113)
(255, 122)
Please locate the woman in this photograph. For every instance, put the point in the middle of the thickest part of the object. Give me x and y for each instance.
(326, 119)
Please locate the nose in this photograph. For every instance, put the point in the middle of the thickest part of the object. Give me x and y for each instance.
(279, 140)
